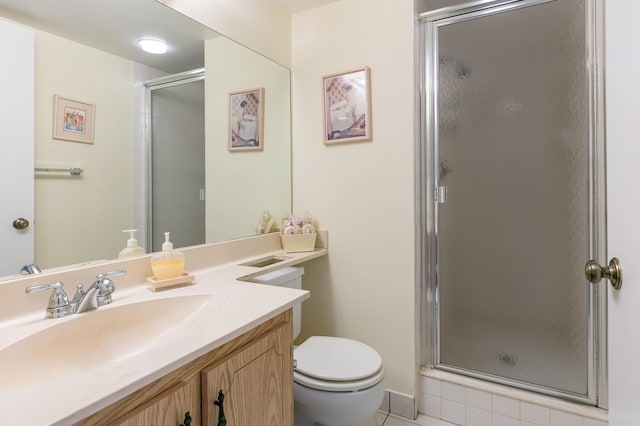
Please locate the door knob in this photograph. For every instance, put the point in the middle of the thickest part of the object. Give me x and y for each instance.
(21, 223)
(594, 272)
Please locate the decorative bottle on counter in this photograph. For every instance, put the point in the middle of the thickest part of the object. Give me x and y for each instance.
(168, 263)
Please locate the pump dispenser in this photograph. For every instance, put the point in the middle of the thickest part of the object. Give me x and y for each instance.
(132, 248)
(168, 263)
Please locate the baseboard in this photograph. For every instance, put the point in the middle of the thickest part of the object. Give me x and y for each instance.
(399, 404)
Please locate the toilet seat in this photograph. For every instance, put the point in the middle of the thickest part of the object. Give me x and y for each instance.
(336, 364)
(334, 386)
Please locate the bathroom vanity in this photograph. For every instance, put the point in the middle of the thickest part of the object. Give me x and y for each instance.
(160, 358)
(253, 374)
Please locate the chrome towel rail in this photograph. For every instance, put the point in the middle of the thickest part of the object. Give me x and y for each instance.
(73, 171)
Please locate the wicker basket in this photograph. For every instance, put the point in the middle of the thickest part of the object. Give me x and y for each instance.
(296, 243)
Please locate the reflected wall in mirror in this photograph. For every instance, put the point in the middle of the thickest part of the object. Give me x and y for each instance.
(80, 219)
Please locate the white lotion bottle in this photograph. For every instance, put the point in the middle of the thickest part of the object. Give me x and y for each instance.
(132, 248)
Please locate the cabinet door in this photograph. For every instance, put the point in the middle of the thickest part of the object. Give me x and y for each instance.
(169, 408)
(257, 383)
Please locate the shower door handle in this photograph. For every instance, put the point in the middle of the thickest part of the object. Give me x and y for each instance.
(594, 272)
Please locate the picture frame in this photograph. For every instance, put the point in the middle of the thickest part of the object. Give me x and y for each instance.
(246, 120)
(347, 106)
(73, 120)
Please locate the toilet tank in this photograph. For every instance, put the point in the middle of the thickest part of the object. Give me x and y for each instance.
(290, 277)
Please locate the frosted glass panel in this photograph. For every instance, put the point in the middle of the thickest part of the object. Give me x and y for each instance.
(178, 166)
(513, 235)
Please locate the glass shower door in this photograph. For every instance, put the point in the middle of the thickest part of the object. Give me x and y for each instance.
(178, 163)
(512, 196)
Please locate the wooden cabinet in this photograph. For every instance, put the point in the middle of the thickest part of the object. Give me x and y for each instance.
(254, 371)
(168, 408)
(256, 383)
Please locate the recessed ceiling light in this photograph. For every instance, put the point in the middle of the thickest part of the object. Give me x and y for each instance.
(157, 47)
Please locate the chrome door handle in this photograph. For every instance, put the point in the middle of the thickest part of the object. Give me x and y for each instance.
(594, 272)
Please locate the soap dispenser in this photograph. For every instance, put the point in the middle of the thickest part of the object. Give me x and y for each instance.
(132, 248)
(168, 263)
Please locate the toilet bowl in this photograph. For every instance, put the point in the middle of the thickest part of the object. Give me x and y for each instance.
(336, 381)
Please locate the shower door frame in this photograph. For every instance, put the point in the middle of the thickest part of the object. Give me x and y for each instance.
(186, 77)
(427, 165)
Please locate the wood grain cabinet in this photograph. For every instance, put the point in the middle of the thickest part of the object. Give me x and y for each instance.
(170, 408)
(254, 383)
(253, 373)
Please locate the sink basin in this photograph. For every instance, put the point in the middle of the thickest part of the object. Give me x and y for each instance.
(265, 261)
(96, 338)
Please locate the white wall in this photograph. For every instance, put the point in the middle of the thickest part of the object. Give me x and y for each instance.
(258, 24)
(363, 193)
(81, 218)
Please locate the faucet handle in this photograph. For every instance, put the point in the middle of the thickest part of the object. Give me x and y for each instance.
(58, 301)
(41, 287)
(111, 274)
(106, 286)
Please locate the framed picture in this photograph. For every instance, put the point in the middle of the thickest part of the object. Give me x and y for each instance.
(73, 120)
(246, 116)
(347, 106)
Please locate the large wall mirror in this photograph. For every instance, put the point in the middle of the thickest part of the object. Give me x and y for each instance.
(86, 51)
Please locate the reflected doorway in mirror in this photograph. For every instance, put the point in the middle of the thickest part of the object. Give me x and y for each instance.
(73, 120)
(246, 113)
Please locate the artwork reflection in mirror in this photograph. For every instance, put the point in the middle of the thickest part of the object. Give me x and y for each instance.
(73, 120)
(246, 112)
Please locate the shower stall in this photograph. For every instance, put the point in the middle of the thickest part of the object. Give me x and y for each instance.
(513, 196)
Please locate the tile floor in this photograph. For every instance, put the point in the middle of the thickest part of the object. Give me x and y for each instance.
(386, 419)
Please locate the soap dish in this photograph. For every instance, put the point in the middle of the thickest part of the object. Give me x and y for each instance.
(183, 280)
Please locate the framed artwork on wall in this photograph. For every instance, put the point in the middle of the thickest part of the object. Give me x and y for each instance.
(73, 120)
(347, 106)
(246, 116)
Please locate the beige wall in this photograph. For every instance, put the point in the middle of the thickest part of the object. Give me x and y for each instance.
(81, 218)
(262, 177)
(363, 193)
(258, 24)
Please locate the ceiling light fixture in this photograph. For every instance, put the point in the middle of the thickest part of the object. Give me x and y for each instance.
(157, 47)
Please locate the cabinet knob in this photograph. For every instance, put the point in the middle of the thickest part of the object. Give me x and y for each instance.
(187, 419)
(222, 421)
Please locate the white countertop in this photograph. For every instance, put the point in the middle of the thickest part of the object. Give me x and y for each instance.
(235, 307)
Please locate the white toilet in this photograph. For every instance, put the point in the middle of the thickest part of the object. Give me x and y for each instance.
(336, 381)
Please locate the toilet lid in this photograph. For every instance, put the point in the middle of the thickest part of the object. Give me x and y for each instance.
(336, 359)
(332, 386)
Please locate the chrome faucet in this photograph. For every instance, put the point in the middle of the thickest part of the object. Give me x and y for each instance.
(98, 294)
(30, 269)
(59, 305)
